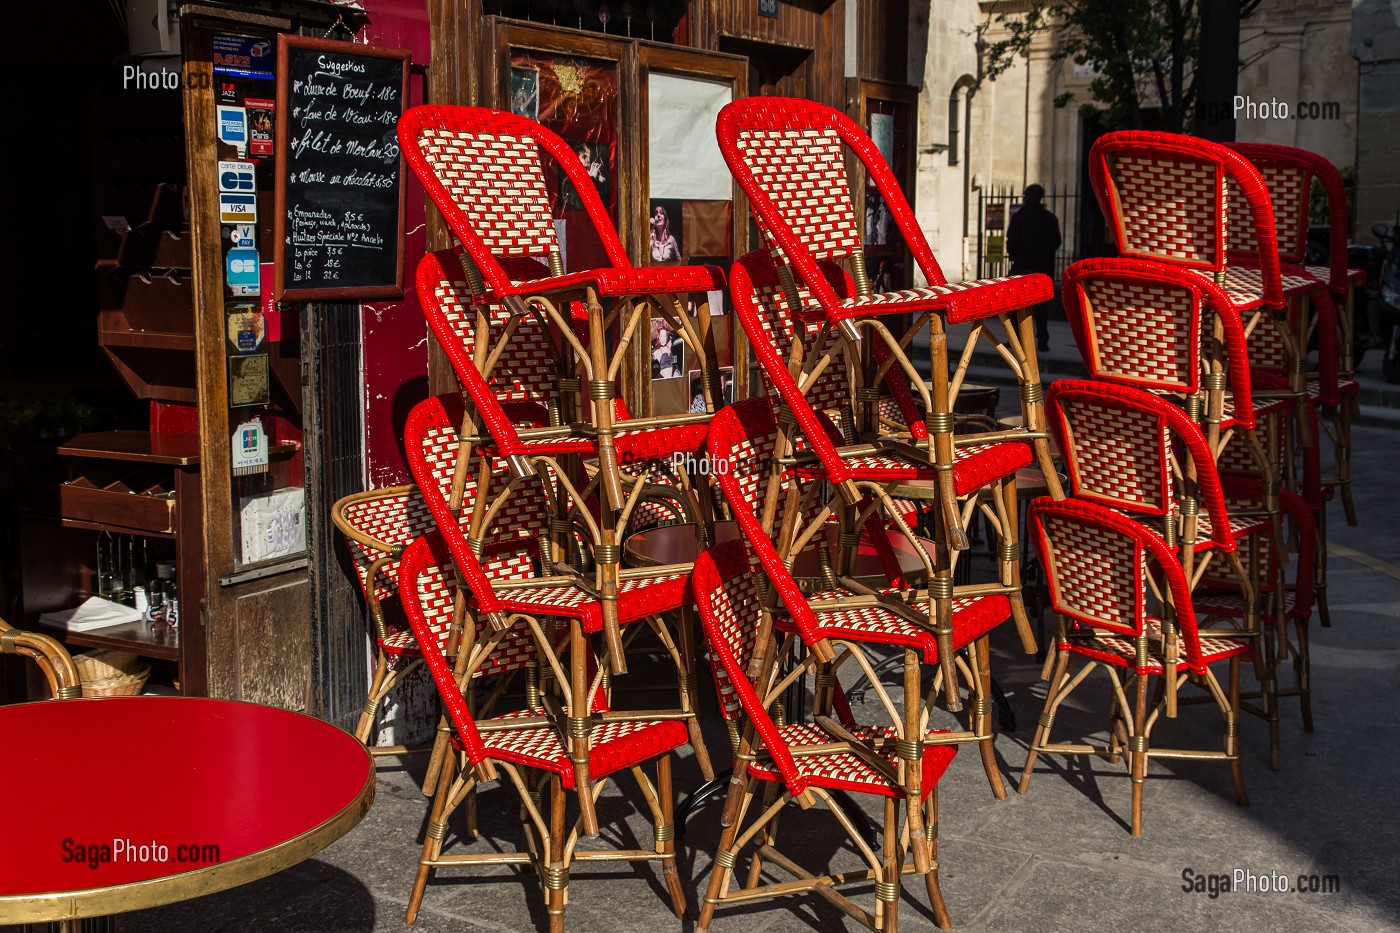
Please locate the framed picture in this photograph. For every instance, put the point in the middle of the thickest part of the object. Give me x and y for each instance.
(525, 91)
(665, 232)
(596, 161)
(667, 351)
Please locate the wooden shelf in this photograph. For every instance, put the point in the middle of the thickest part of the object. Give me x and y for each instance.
(149, 339)
(131, 637)
(140, 446)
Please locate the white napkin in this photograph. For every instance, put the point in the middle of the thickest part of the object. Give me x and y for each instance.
(95, 613)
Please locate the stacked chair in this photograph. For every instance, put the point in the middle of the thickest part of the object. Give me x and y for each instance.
(1193, 531)
(531, 476)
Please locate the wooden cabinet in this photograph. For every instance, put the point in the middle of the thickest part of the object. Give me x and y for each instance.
(118, 483)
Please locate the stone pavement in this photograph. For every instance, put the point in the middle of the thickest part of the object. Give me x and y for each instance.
(1059, 858)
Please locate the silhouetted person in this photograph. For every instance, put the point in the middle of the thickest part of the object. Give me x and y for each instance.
(1032, 238)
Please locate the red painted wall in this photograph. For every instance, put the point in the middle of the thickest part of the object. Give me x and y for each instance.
(394, 334)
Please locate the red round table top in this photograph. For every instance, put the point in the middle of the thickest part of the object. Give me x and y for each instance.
(115, 804)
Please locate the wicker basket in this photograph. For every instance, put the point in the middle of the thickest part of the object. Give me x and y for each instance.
(111, 673)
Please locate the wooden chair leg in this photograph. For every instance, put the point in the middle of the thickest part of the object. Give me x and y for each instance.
(1349, 409)
(1302, 673)
(982, 714)
(1232, 734)
(1047, 716)
(556, 875)
(690, 688)
(432, 843)
(740, 791)
(666, 836)
(935, 893)
(376, 688)
(1137, 750)
(887, 888)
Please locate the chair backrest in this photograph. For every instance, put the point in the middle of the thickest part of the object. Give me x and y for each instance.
(1166, 197)
(377, 525)
(771, 325)
(512, 545)
(1096, 564)
(425, 579)
(524, 377)
(486, 172)
(1150, 325)
(788, 156)
(48, 653)
(729, 589)
(1289, 173)
(1118, 447)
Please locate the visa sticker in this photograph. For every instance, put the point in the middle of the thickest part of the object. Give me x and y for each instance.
(237, 208)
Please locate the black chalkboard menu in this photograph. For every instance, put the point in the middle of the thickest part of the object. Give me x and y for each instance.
(340, 193)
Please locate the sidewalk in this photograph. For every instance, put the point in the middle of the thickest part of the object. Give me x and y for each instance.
(1059, 858)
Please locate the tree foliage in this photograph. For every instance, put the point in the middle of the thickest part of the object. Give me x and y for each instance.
(1144, 53)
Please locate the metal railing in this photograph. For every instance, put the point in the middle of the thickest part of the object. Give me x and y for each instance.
(996, 204)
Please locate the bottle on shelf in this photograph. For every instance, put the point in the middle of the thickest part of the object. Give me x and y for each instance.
(165, 573)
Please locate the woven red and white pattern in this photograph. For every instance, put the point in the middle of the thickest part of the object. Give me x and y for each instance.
(1324, 274)
(1288, 187)
(394, 519)
(1244, 285)
(1170, 208)
(1118, 457)
(847, 772)
(1142, 332)
(436, 596)
(1123, 653)
(832, 390)
(972, 618)
(974, 466)
(737, 608)
(612, 745)
(525, 370)
(498, 183)
(1094, 575)
(524, 517)
(803, 172)
(1344, 386)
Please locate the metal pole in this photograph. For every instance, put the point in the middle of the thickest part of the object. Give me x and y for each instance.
(1217, 73)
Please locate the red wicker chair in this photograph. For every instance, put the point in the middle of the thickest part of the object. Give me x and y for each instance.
(804, 761)
(1133, 452)
(508, 570)
(525, 743)
(485, 171)
(1099, 564)
(788, 155)
(378, 524)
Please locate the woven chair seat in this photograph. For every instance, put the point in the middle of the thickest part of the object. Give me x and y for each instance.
(1120, 652)
(1324, 274)
(1262, 405)
(1245, 286)
(637, 598)
(1229, 604)
(401, 643)
(973, 617)
(845, 771)
(1344, 386)
(632, 444)
(974, 466)
(612, 746)
(643, 280)
(960, 301)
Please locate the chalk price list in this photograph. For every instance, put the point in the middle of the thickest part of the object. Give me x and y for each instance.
(343, 150)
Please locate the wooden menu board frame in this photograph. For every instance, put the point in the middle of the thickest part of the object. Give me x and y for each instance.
(281, 255)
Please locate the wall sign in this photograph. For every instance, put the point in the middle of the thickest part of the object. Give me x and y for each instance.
(340, 194)
(768, 8)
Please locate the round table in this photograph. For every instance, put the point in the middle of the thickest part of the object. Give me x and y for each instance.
(678, 544)
(119, 804)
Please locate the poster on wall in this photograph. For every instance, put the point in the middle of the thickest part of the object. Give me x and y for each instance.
(683, 157)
